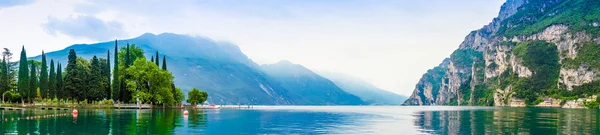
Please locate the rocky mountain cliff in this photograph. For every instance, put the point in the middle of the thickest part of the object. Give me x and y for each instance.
(535, 53)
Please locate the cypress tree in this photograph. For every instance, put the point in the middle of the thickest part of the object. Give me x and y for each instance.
(152, 59)
(3, 76)
(44, 77)
(52, 81)
(157, 63)
(164, 66)
(108, 92)
(23, 75)
(32, 82)
(115, 82)
(60, 93)
(124, 92)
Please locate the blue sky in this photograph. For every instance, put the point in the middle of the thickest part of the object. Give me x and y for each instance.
(389, 43)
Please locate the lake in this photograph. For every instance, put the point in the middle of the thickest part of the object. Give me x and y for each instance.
(308, 120)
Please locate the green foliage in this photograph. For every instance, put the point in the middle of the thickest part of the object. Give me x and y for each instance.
(588, 53)
(44, 77)
(196, 96)
(542, 59)
(33, 82)
(151, 84)
(106, 75)
(60, 93)
(539, 14)
(164, 66)
(435, 77)
(52, 81)
(465, 57)
(96, 84)
(23, 76)
(127, 54)
(116, 87)
(595, 104)
(453, 102)
(178, 95)
(483, 96)
(465, 92)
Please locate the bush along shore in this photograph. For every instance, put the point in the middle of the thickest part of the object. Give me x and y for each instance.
(133, 81)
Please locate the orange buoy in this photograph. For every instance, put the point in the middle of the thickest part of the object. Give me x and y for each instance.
(185, 112)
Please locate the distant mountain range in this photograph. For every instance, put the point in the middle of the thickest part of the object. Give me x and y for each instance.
(365, 90)
(229, 76)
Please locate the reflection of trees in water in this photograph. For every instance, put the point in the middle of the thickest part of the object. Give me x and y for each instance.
(510, 121)
(197, 119)
(116, 122)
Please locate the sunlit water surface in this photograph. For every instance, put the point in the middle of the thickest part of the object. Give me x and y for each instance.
(307, 120)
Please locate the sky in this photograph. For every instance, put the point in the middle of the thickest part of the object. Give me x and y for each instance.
(389, 43)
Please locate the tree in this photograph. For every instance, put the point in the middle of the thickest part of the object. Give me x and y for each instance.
(83, 73)
(33, 82)
(115, 82)
(59, 83)
(52, 81)
(127, 54)
(74, 79)
(149, 83)
(152, 59)
(106, 74)
(157, 58)
(164, 66)
(196, 96)
(4, 80)
(96, 81)
(178, 96)
(23, 76)
(44, 77)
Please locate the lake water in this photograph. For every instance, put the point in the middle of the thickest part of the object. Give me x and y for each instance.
(309, 120)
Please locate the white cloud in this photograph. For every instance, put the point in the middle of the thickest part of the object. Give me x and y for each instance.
(85, 26)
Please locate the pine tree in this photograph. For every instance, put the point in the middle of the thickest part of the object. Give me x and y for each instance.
(60, 93)
(108, 92)
(96, 83)
(164, 66)
(23, 76)
(52, 81)
(157, 58)
(44, 77)
(72, 79)
(33, 82)
(115, 82)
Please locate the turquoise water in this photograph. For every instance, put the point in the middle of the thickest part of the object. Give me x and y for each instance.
(309, 120)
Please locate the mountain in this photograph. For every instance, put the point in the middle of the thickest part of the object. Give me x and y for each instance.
(365, 90)
(220, 68)
(309, 87)
(534, 53)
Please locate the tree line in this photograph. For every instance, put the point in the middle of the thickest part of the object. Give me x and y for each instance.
(133, 79)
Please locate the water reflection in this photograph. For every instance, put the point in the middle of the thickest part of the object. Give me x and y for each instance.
(115, 122)
(509, 121)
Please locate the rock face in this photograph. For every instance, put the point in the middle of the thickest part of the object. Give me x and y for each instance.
(509, 61)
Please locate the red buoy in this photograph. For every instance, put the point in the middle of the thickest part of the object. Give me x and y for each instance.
(75, 112)
(185, 112)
